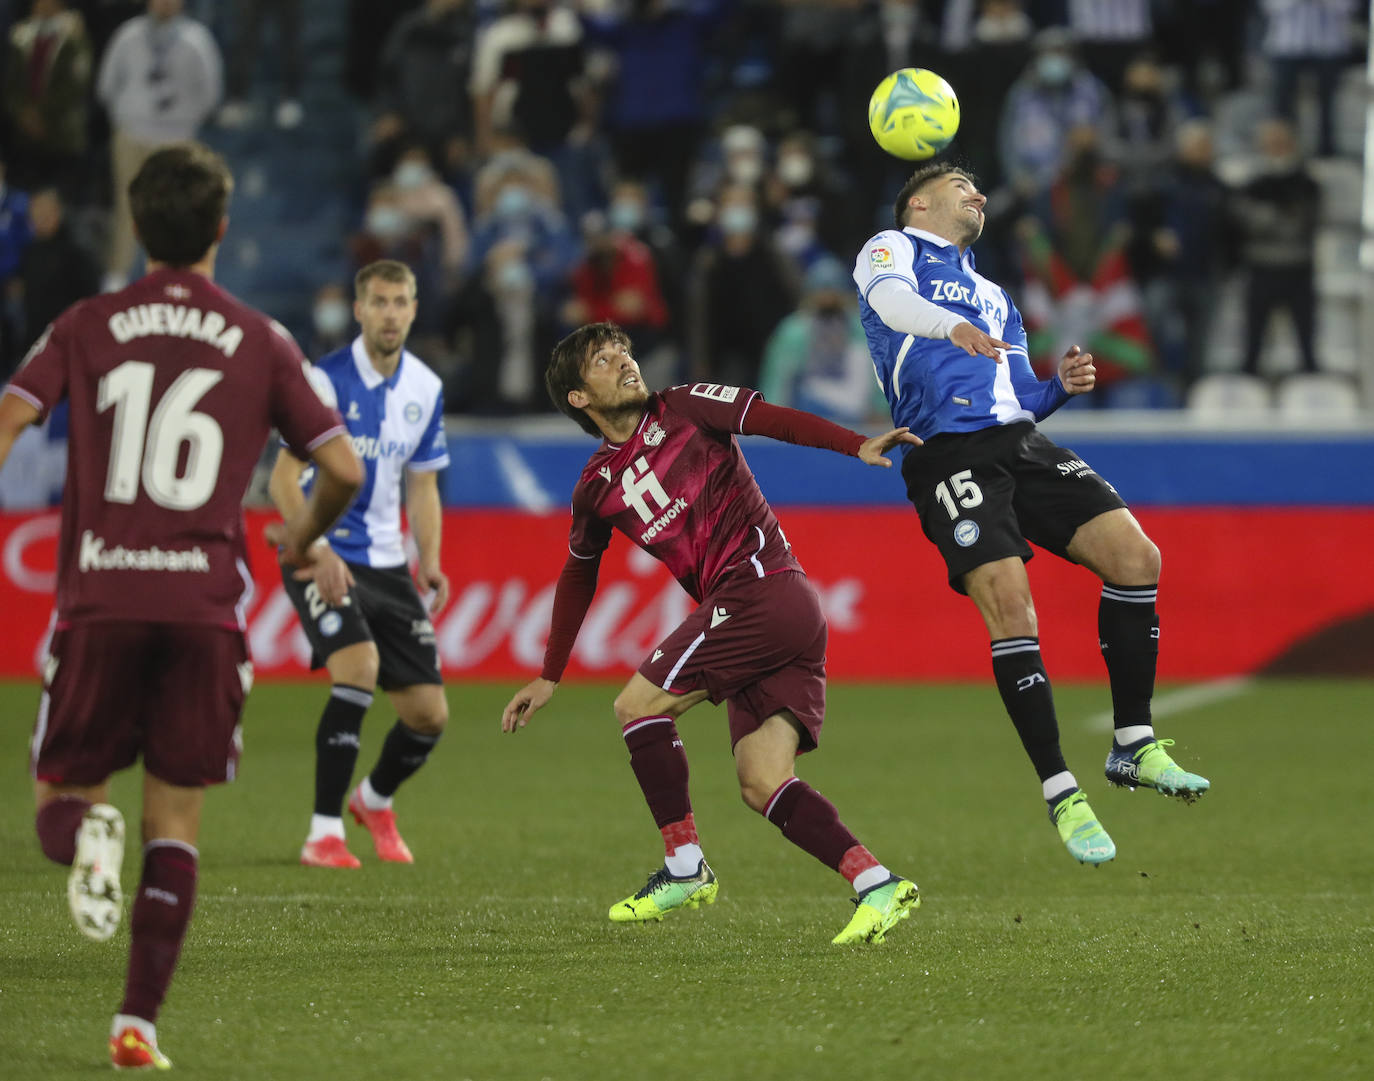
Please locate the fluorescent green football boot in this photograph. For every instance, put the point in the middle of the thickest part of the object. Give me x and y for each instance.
(1151, 767)
(879, 910)
(1080, 830)
(663, 893)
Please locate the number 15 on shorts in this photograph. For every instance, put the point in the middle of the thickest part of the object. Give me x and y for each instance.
(959, 491)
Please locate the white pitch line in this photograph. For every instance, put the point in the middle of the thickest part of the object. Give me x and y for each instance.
(1200, 694)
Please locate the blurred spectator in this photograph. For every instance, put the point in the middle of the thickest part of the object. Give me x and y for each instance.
(663, 45)
(529, 73)
(1182, 244)
(160, 78)
(1206, 38)
(429, 202)
(997, 51)
(1110, 34)
(1079, 289)
(817, 358)
(739, 156)
(249, 15)
(1309, 37)
(631, 213)
(1054, 94)
(509, 155)
(331, 319)
(425, 63)
(16, 234)
(55, 271)
(1276, 215)
(390, 231)
(616, 281)
(369, 22)
(738, 290)
(522, 250)
(812, 212)
(47, 84)
(1148, 114)
(811, 46)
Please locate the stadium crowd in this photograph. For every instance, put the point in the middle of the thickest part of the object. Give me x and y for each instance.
(700, 171)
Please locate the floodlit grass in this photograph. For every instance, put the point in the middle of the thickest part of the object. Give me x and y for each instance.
(1230, 939)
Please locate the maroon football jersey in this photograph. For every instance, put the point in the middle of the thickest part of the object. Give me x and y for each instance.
(681, 490)
(174, 387)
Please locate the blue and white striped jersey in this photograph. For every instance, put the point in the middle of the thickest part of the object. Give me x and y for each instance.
(396, 424)
(931, 384)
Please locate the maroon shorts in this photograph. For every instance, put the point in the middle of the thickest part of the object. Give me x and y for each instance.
(757, 644)
(170, 692)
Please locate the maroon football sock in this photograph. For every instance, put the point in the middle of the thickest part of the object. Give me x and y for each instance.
(161, 914)
(660, 766)
(810, 822)
(57, 822)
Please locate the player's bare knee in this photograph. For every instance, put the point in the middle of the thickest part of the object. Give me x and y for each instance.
(756, 791)
(629, 706)
(356, 665)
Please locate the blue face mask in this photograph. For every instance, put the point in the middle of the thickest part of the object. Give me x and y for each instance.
(1054, 69)
(514, 201)
(514, 275)
(735, 220)
(625, 215)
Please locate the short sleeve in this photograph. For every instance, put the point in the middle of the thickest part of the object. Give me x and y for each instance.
(890, 254)
(431, 452)
(300, 410)
(43, 374)
(714, 407)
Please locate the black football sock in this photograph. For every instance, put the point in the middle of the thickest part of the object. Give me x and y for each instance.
(1128, 632)
(336, 746)
(1025, 690)
(404, 751)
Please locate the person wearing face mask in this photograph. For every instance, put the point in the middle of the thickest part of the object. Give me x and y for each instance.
(331, 319)
(1054, 94)
(48, 56)
(817, 358)
(630, 214)
(522, 250)
(1275, 215)
(427, 200)
(814, 214)
(740, 158)
(738, 289)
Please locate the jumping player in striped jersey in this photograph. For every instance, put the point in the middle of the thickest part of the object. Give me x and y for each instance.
(357, 603)
(949, 350)
(670, 476)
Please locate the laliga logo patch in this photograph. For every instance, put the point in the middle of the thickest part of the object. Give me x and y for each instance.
(330, 623)
(965, 533)
(412, 412)
(653, 434)
(880, 258)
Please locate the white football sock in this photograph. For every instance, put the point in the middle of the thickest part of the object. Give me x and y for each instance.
(1134, 733)
(322, 826)
(1055, 787)
(371, 800)
(683, 862)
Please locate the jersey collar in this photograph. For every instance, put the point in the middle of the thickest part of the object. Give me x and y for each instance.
(370, 376)
(951, 251)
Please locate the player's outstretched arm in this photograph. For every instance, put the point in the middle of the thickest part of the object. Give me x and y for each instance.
(534, 695)
(1077, 372)
(873, 450)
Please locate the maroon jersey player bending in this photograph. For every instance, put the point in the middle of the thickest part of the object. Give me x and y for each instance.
(670, 476)
(173, 388)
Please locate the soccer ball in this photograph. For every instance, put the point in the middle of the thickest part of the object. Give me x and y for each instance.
(913, 114)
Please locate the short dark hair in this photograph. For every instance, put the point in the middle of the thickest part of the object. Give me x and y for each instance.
(387, 270)
(919, 179)
(178, 199)
(565, 371)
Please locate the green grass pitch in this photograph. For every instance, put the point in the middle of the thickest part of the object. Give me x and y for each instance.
(1230, 939)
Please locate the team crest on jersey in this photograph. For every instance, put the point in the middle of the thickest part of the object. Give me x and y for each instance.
(715, 390)
(966, 533)
(330, 624)
(880, 257)
(412, 412)
(653, 434)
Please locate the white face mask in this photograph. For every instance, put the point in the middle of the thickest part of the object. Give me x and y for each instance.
(332, 318)
(735, 220)
(387, 222)
(411, 174)
(513, 275)
(794, 170)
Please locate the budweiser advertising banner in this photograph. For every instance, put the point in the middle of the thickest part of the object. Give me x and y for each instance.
(1241, 587)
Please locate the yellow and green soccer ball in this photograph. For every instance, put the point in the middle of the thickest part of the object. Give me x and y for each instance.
(913, 114)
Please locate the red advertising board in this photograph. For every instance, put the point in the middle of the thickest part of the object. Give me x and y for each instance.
(1239, 587)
